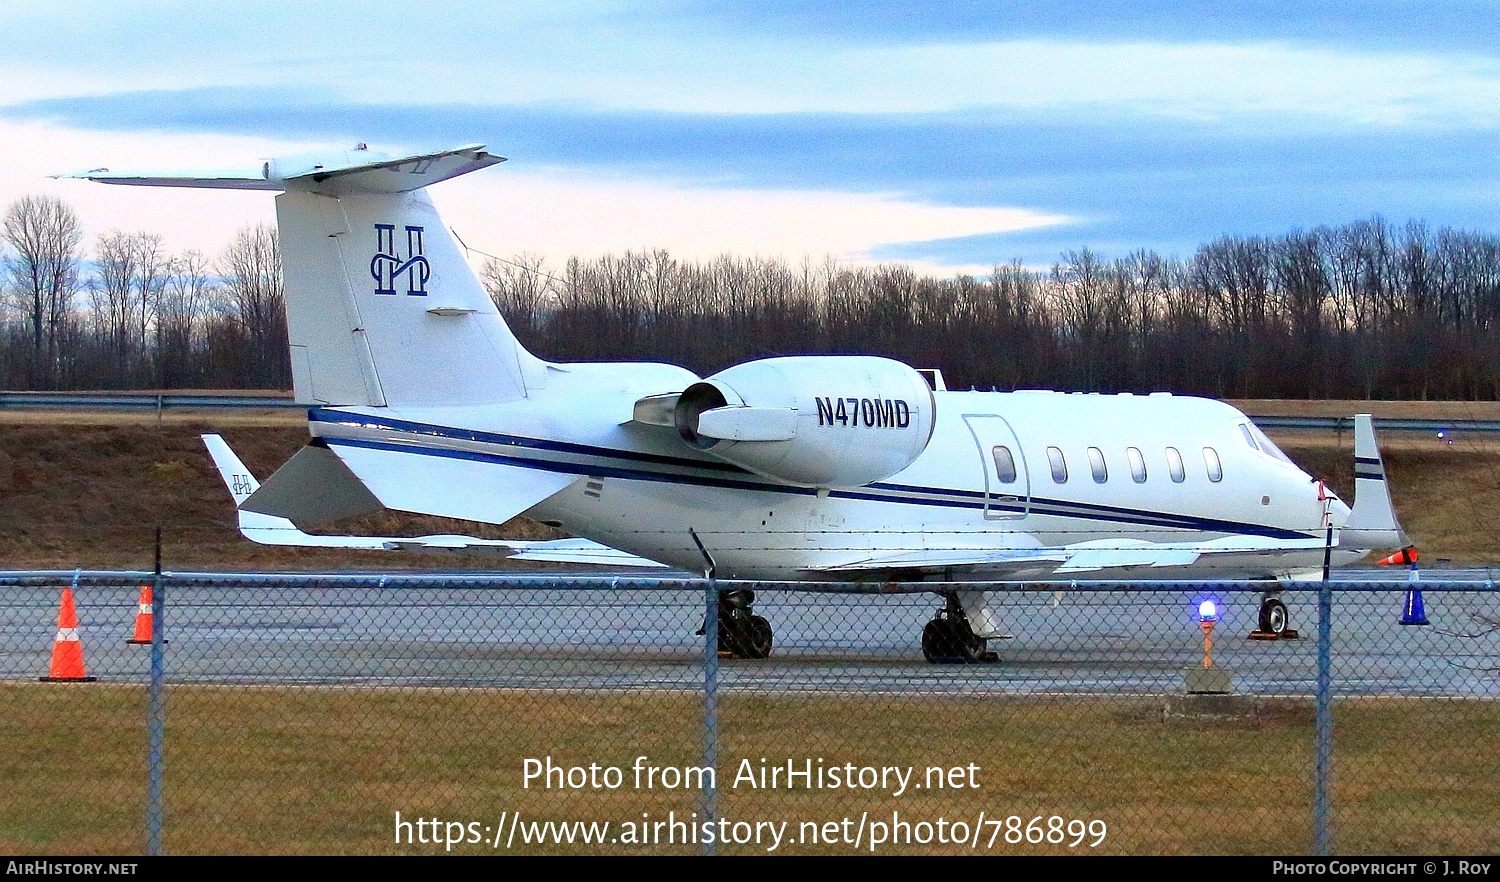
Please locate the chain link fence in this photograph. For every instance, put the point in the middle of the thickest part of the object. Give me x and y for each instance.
(588, 715)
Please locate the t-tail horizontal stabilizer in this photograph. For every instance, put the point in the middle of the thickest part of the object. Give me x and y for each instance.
(267, 529)
(1372, 522)
(335, 173)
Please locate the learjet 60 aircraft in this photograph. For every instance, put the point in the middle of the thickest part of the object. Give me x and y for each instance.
(801, 468)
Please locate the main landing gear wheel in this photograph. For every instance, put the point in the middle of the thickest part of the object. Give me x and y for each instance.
(1274, 623)
(1273, 617)
(743, 634)
(948, 639)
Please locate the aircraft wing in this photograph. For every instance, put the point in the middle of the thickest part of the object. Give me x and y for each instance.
(1085, 557)
(273, 530)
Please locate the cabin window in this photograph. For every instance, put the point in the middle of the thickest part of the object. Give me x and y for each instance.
(1137, 465)
(1005, 465)
(1215, 468)
(1249, 438)
(1174, 465)
(1096, 463)
(1059, 465)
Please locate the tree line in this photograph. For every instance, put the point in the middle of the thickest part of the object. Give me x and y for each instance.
(131, 315)
(1363, 310)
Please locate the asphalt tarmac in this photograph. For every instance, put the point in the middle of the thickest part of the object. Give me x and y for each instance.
(635, 634)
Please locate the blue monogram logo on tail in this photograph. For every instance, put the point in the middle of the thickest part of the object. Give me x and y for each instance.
(388, 264)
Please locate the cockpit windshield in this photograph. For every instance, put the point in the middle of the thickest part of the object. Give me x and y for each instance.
(1268, 446)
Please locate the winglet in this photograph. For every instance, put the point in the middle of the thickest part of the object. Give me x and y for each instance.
(1372, 522)
(236, 476)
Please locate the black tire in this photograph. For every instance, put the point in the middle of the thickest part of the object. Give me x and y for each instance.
(1274, 618)
(745, 636)
(936, 644)
(948, 642)
(758, 638)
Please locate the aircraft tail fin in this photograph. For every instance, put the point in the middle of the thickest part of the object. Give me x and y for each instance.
(382, 306)
(1372, 521)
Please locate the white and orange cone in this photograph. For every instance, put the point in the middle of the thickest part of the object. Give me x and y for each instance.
(67, 650)
(143, 617)
(1405, 556)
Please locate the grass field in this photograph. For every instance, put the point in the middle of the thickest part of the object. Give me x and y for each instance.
(315, 770)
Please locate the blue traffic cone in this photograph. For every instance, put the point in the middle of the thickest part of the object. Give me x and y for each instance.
(1414, 613)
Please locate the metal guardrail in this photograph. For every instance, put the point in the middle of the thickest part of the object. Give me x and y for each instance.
(1388, 424)
(167, 401)
(161, 401)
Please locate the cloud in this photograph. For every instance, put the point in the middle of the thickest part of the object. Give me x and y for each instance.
(555, 212)
(1456, 25)
(559, 213)
(1382, 62)
(1122, 180)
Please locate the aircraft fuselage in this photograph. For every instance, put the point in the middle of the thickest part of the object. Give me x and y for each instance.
(1114, 471)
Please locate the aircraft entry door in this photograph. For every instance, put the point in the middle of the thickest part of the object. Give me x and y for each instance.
(1007, 482)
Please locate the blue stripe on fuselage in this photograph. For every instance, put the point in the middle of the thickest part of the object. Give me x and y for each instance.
(903, 494)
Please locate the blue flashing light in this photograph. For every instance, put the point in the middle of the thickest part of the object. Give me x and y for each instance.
(1208, 611)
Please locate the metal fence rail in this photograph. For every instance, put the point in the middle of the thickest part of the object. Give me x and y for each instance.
(489, 714)
(200, 401)
(134, 400)
(1384, 424)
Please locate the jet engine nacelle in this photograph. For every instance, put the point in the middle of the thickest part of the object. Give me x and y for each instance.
(811, 421)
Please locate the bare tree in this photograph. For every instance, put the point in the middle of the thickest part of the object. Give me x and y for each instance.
(251, 269)
(152, 266)
(44, 234)
(112, 295)
(181, 309)
(522, 290)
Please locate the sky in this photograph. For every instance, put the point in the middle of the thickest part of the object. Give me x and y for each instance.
(953, 136)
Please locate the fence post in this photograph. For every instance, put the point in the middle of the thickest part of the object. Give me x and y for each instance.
(1324, 760)
(155, 722)
(710, 796)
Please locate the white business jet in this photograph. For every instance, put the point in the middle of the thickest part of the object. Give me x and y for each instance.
(801, 468)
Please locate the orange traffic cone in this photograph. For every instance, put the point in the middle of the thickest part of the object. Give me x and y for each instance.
(142, 635)
(1407, 555)
(67, 651)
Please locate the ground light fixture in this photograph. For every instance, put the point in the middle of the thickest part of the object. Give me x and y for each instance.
(1207, 679)
(1208, 614)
